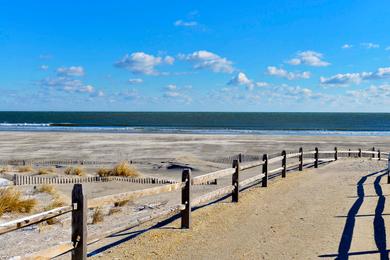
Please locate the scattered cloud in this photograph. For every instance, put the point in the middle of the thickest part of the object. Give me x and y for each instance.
(68, 85)
(370, 45)
(279, 72)
(347, 46)
(372, 94)
(181, 23)
(180, 94)
(135, 81)
(143, 63)
(242, 80)
(71, 71)
(207, 60)
(356, 78)
(44, 67)
(387, 48)
(310, 58)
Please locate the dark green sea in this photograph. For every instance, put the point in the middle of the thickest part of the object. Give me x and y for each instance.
(200, 122)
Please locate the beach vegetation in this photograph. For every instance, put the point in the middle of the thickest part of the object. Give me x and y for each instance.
(123, 169)
(11, 201)
(97, 216)
(44, 171)
(78, 171)
(26, 168)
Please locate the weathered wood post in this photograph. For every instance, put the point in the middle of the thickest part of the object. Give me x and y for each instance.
(235, 180)
(284, 164)
(79, 223)
(186, 199)
(240, 158)
(373, 154)
(316, 158)
(335, 154)
(349, 152)
(379, 155)
(264, 181)
(301, 159)
(360, 153)
(388, 170)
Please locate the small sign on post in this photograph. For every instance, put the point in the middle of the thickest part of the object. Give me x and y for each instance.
(264, 182)
(186, 199)
(235, 181)
(79, 223)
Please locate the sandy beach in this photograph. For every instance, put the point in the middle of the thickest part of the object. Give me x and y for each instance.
(153, 153)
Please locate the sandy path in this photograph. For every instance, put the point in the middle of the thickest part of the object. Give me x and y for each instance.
(302, 217)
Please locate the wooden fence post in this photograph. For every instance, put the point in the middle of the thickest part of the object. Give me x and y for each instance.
(264, 181)
(301, 159)
(349, 153)
(379, 155)
(388, 170)
(373, 149)
(186, 199)
(335, 154)
(284, 164)
(316, 158)
(235, 181)
(79, 223)
(360, 153)
(240, 158)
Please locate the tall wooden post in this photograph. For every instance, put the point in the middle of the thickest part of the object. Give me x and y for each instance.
(235, 181)
(379, 155)
(301, 159)
(373, 149)
(264, 181)
(79, 223)
(349, 152)
(284, 164)
(388, 170)
(335, 154)
(316, 158)
(360, 153)
(240, 158)
(186, 199)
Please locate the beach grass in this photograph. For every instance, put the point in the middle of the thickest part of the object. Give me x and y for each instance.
(25, 169)
(123, 169)
(78, 171)
(11, 201)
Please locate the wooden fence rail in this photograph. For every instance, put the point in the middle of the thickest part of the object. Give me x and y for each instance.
(80, 204)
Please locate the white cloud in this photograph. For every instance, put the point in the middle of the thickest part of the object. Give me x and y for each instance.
(310, 58)
(356, 78)
(176, 93)
(347, 46)
(279, 72)
(71, 71)
(242, 80)
(373, 94)
(69, 85)
(387, 48)
(143, 63)
(370, 45)
(44, 67)
(207, 60)
(135, 81)
(181, 23)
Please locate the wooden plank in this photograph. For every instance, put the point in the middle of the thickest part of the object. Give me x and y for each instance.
(212, 176)
(111, 199)
(252, 179)
(275, 170)
(33, 219)
(292, 155)
(249, 165)
(275, 159)
(212, 195)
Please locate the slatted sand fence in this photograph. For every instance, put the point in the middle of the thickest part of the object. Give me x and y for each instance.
(279, 165)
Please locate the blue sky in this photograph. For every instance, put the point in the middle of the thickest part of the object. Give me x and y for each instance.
(195, 55)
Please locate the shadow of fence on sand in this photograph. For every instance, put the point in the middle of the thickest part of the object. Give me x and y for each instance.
(378, 223)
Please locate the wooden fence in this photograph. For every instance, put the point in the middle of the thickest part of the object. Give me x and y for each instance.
(269, 167)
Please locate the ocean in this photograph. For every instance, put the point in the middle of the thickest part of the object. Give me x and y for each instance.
(200, 122)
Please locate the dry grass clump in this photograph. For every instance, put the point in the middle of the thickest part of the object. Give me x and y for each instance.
(123, 169)
(121, 203)
(11, 201)
(113, 211)
(74, 171)
(25, 169)
(5, 169)
(47, 188)
(97, 216)
(43, 171)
